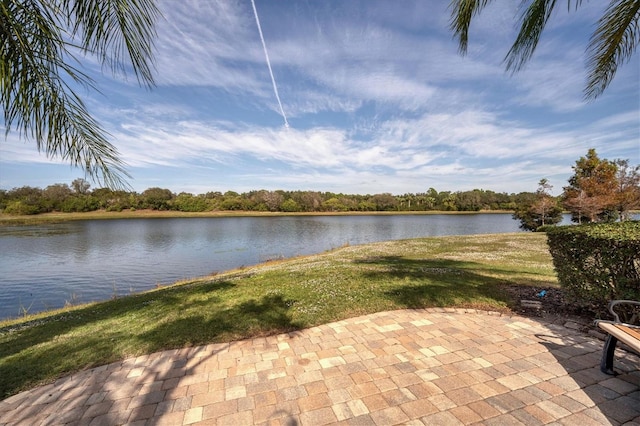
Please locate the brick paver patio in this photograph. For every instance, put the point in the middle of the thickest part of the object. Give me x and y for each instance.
(432, 367)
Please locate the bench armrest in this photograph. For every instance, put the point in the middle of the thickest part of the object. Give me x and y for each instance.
(613, 303)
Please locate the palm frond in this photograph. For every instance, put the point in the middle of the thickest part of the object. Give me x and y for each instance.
(462, 11)
(533, 21)
(119, 32)
(37, 99)
(612, 44)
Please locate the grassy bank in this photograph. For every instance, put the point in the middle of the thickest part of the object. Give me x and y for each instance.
(57, 217)
(464, 271)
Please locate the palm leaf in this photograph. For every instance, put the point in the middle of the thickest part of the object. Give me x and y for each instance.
(119, 32)
(37, 39)
(462, 11)
(532, 23)
(612, 44)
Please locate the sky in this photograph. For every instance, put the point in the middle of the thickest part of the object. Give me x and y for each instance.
(376, 96)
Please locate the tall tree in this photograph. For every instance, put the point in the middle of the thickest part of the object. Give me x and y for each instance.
(540, 209)
(592, 191)
(385, 202)
(309, 201)
(80, 186)
(41, 43)
(546, 207)
(612, 43)
(628, 191)
(271, 199)
(156, 198)
(55, 195)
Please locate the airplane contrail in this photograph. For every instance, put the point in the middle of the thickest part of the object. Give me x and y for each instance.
(266, 55)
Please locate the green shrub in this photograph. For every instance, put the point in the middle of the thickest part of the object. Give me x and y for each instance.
(80, 204)
(22, 208)
(189, 203)
(546, 228)
(290, 206)
(596, 263)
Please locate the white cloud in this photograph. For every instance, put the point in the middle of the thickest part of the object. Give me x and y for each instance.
(13, 149)
(619, 120)
(207, 44)
(445, 143)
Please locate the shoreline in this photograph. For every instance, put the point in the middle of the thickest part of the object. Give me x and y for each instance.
(57, 217)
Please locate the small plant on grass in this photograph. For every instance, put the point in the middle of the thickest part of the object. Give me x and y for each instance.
(24, 311)
(73, 300)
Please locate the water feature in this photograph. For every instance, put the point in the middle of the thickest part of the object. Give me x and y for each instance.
(45, 266)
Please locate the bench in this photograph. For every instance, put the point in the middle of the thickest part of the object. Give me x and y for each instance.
(618, 331)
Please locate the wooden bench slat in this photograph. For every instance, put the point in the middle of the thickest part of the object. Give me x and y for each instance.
(630, 330)
(623, 333)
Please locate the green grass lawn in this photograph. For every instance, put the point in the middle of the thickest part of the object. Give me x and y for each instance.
(463, 271)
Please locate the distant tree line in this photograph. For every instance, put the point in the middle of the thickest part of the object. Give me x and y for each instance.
(78, 197)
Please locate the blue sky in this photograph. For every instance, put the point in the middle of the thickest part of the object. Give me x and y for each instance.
(377, 97)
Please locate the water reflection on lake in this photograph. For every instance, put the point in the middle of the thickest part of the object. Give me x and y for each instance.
(43, 266)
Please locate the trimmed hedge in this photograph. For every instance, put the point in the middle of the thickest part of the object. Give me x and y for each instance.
(596, 263)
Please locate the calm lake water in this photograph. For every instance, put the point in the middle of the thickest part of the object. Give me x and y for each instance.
(44, 266)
